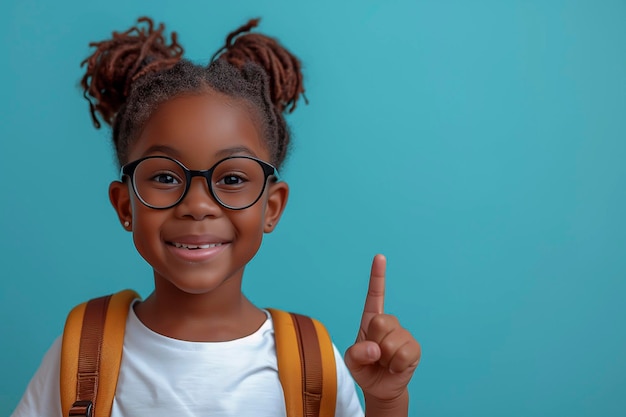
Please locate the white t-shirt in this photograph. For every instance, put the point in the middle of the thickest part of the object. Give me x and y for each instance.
(161, 376)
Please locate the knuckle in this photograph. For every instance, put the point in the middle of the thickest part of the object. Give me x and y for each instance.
(382, 322)
(405, 355)
(389, 346)
(394, 341)
(404, 358)
(418, 347)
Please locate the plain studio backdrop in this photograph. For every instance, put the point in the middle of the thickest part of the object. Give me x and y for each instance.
(479, 144)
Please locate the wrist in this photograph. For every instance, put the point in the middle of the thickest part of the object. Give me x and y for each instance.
(388, 407)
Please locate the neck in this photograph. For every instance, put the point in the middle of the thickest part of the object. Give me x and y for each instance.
(221, 314)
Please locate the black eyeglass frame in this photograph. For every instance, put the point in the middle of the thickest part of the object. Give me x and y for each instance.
(128, 170)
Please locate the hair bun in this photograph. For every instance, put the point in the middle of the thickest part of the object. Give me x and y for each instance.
(283, 68)
(119, 61)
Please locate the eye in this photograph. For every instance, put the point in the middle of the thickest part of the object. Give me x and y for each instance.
(232, 179)
(165, 178)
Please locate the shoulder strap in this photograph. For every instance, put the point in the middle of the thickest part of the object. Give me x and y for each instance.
(89, 368)
(306, 365)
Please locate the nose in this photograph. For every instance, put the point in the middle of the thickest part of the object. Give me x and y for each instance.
(198, 203)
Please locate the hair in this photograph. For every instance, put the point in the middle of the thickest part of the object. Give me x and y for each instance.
(131, 74)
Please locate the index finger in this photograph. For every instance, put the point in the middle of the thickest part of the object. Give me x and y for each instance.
(375, 300)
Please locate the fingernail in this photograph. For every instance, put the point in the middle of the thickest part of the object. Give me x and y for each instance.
(371, 352)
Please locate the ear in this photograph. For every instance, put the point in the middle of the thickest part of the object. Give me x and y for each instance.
(276, 203)
(119, 195)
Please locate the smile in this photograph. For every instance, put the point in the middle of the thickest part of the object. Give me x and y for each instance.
(197, 252)
(191, 247)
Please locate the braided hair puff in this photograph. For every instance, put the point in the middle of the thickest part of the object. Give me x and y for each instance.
(119, 61)
(283, 68)
(129, 76)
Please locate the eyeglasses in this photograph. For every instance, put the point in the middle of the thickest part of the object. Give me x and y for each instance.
(236, 182)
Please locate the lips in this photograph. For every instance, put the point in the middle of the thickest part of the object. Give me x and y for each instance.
(204, 241)
(197, 248)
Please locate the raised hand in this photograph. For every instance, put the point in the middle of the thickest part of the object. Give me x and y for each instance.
(385, 355)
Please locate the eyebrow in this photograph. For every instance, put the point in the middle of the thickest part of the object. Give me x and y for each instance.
(168, 150)
(224, 153)
(235, 150)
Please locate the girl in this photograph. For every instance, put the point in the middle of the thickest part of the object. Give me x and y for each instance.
(196, 346)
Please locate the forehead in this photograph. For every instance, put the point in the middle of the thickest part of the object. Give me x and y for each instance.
(200, 128)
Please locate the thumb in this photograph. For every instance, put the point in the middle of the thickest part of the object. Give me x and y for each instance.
(362, 354)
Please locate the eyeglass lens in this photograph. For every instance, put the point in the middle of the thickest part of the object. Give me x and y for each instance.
(236, 182)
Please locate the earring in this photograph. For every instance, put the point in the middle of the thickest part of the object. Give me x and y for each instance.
(126, 223)
(269, 225)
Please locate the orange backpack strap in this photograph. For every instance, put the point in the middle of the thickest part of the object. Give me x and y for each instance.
(89, 368)
(306, 365)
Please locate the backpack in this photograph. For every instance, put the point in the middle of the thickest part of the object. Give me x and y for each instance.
(92, 352)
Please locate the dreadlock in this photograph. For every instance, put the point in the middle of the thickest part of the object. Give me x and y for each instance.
(130, 75)
(282, 67)
(122, 60)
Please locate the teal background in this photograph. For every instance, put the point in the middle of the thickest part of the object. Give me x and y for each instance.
(478, 144)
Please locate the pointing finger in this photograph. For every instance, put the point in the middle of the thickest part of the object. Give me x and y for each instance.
(375, 299)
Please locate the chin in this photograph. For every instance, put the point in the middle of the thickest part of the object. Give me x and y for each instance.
(204, 284)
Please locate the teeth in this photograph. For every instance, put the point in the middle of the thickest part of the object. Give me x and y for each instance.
(185, 246)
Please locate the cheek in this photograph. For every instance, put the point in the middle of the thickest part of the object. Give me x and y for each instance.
(250, 220)
(146, 225)
(249, 223)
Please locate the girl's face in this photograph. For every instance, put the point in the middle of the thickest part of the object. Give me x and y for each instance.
(199, 131)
